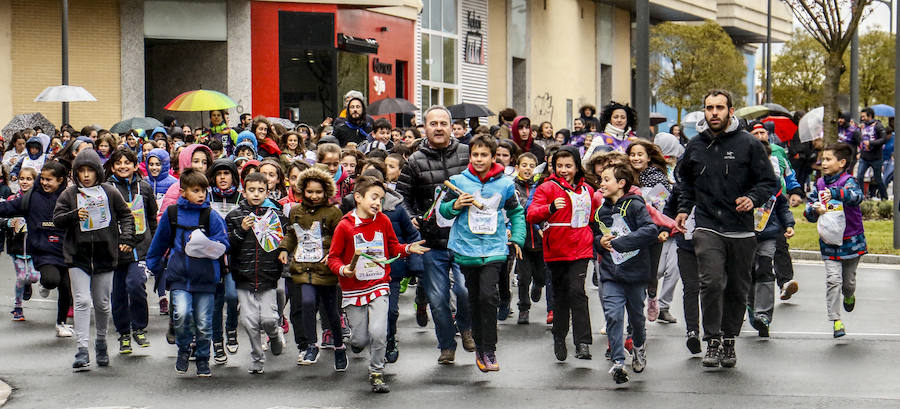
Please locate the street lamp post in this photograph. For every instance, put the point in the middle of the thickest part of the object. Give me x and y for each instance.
(642, 58)
(65, 56)
(769, 54)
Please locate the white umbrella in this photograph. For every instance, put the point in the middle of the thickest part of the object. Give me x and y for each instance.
(693, 117)
(810, 126)
(64, 93)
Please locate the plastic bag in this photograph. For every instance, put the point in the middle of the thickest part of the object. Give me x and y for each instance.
(831, 225)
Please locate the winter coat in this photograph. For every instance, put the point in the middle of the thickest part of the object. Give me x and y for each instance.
(250, 265)
(717, 169)
(524, 191)
(131, 190)
(346, 131)
(562, 242)
(224, 202)
(643, 235)
(303, 216)
(872, 132)
(94, 251)
(184, 162)
(845, 189)
(164, 180)
(184, 272)
(44, 240)
(15, 241)
(425, 171)
(35, 162)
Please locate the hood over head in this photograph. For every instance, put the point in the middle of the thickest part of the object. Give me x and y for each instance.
(159, 130)
(524, 141)
(321, 176)
(36, 142)
(223, 164)
(87, 157)
(184, 158)
(669, 144)
(164, 160)
(247, 136)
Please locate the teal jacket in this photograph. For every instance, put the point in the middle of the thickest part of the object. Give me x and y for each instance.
(498, 195)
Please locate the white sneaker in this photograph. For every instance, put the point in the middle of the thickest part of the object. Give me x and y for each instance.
(43, 291)
(64, 331)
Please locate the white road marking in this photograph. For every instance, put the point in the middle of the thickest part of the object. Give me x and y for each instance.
(855, 334)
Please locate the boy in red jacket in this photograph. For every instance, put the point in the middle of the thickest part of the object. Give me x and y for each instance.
(362, 248)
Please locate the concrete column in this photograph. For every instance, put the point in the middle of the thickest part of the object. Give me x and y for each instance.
(239, 59)
(6, 99)
(131, 18)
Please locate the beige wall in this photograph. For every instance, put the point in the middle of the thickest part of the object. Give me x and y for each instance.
(93, 58)
(6, 101)
(621, 76)
(497, 58)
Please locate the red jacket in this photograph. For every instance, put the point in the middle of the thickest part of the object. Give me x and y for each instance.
(355, 291)
(561, 241)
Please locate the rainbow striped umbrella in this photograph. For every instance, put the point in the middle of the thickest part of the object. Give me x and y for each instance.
(200, 100)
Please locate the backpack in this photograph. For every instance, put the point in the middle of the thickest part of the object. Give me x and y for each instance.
(172, 213)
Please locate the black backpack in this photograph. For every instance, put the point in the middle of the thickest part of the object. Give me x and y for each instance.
(172, 213)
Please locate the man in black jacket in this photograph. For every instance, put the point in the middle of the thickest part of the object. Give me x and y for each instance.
(355, 128)
(871, 144)
(438, 158)
(725, 174)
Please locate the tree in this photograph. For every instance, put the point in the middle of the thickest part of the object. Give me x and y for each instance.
(876, 68)
(689, 60)
(797, 73)
(831, 23)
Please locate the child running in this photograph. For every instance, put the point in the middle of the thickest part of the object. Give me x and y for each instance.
(838, 192)
(16, 234)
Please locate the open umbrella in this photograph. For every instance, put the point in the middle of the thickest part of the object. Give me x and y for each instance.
(775, 109)
(29, 121)
(65, 93)
(784, 127)
(693, 117)
(469, 110)
(810, 126)
(135, 123)
(751, 112)
(657, 118)
(883, 110)
(286, 123)
(200, 100)
(390, 106)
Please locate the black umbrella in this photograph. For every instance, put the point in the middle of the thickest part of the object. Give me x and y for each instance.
(657, 118)
(30, 120)
(469, 110)
(391, 106)
(776, 109)
(137, 122)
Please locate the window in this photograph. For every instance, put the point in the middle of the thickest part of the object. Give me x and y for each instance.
(440, 48)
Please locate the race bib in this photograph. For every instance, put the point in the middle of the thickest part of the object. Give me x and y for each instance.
(581, 208)
(619, 228)
(690, 225)
(657, 196)
(366, 267)
(159, 200)
(222, 208)
(140, 215)
(484, 221)
(267, 230)
(309, 243)
(95, 201)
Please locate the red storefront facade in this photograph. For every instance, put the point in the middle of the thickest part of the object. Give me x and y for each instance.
(306, 56)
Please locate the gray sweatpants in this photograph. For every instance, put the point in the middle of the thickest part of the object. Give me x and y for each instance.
(668, 271)
(762, 296)
(840, 277)
(90, 289)
(369, 323)
(259, 311)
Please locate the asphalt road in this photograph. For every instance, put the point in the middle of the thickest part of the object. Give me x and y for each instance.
(800, 366)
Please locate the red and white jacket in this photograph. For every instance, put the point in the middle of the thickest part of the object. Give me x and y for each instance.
(562, 242)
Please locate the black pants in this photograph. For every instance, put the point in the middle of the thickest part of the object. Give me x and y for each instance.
(530, 269)
(481, 281)
(724, 264)
(784, 267)
(313, 296)
(690, 280)
(569, 300)
(503, 284)
(655, 253)
(58, 277)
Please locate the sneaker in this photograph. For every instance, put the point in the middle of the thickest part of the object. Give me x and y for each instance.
(839, 329)
(285, 325)
(404, 284)
(761, 324)
(125, 344)
(652, 309)
(163, 306)
(618, 372)
(140, 338)
(629, 344)
(582, 351)
(311, 356)
(523, 317)
(182, 362)
(639, 359)
(327, 340)
(713, 354)
(422, 315)
(549, 317)
(490, 360)
(170, 334)
(17, 314)
(64, 331)
(849, 303)
(82, 360)
(693, 342)
(448, 356)
(102, 355)
(219, 356)
(256, 368)
(479, 361)
(468, 341)
(392, 352)
(788, 289)
(231, 342)
(536, 293)
(666, 317)
(44, 292)
(26, 295)
(345, 326)
(203, 369)
(356, 349)
(729, 357)
(378, 385)
(340, 360)
(559, 349)
(276, 344)
(503, 312)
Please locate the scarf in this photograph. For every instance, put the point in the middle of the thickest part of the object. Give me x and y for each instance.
(224, 193)
(615, 132)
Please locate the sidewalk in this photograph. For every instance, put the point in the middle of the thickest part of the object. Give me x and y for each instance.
(868, 258)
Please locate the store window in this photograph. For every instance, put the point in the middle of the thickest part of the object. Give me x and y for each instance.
(440, 42)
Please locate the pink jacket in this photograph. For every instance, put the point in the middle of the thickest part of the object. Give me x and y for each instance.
(184, 162)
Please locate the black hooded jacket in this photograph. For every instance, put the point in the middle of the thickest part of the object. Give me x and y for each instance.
(353, 131)
(252, 267)
(133, 189)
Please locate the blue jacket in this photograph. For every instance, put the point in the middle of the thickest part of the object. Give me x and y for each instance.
(643, 235)
(163, 180)
(44, 240)
(497, 192)
(184, 272)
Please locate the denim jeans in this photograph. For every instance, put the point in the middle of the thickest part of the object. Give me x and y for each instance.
(877, 184)
(129, 298)
(618, 298)
(226, 294)
(438, 267)
(192, 314)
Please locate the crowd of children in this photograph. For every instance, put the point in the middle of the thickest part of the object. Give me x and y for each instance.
(240, 223)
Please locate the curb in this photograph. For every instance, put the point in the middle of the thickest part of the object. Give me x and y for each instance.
(868, 258)
(5, 391)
